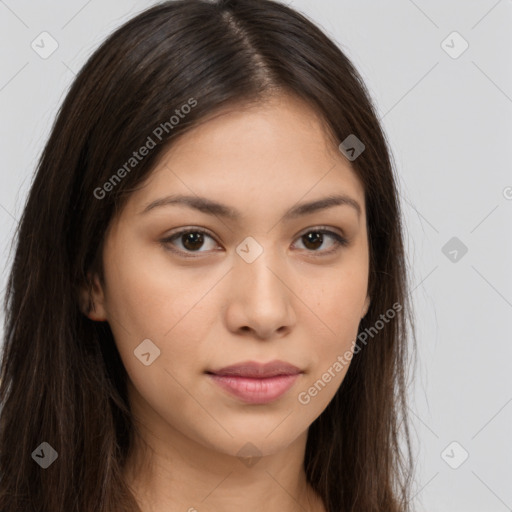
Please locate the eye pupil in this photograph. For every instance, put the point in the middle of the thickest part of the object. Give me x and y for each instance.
(314, 237)
(192, 241)
(195, 238)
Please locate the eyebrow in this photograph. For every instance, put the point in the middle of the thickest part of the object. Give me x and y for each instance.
(211, 207)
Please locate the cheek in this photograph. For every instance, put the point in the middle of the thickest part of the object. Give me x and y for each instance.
(337, 300)
(146, 295)
(337, 308)
(149, 299)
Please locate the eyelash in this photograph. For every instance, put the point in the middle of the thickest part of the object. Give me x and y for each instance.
(340, 241)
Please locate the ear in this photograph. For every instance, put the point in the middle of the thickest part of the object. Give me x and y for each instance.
(92, 299)
(365, 307)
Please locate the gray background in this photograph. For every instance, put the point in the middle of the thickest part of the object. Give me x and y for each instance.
(449, 124)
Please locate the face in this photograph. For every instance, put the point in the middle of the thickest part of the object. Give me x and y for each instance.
(190, 290)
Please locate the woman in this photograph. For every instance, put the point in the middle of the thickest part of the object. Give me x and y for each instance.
(208, 302)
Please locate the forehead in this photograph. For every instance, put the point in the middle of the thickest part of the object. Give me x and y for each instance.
(258, 155)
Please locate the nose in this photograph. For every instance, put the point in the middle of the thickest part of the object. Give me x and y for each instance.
(260, 301)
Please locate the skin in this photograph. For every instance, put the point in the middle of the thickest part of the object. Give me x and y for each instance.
(294, 302)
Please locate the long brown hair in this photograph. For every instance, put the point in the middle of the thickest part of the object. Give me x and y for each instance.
(62, 379)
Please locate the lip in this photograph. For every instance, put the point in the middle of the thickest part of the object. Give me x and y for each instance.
(256, 383)
(253, 369)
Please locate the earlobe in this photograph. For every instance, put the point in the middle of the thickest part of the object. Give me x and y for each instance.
(366, 306)
(92, 299)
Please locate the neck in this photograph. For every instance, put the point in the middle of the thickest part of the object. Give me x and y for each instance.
(183, 475)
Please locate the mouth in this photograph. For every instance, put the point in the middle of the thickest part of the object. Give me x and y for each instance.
(256, 383)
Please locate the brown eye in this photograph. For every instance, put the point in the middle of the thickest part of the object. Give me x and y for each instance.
(191, 240)
(188, 242)
(314, 239)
